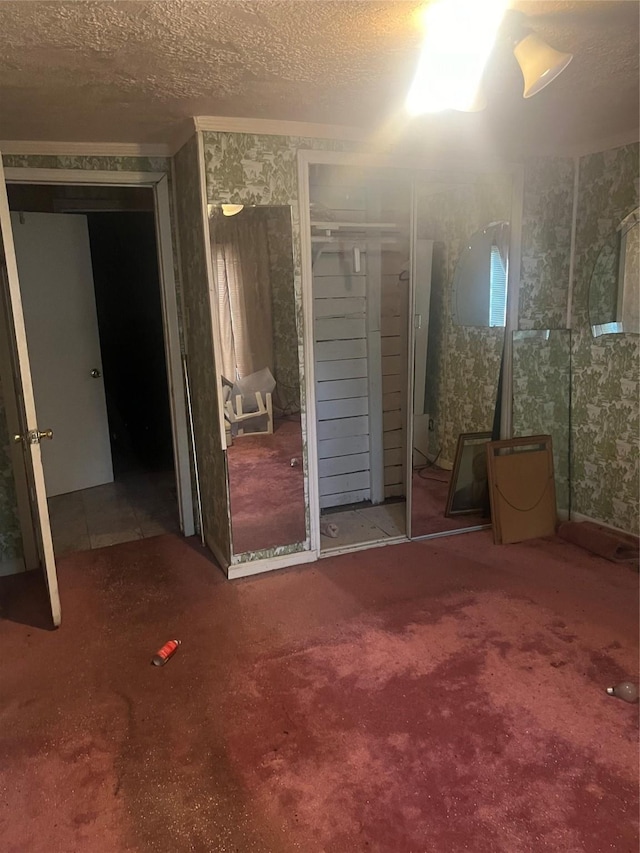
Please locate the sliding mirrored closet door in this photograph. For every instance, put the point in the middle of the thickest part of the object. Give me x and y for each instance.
(360, 222)
(252, 256)
(460, 270)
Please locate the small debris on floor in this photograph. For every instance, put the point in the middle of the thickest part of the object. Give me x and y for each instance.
(165, 653)
(626, 690)
(328, 528)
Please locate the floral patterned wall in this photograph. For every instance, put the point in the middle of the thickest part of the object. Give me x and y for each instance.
(542, 394)
(285, 357)
(198, 335)
(464, 365)
(546, 242)
(605, 370)
(10, 538)
(243, 168)
(542, 359)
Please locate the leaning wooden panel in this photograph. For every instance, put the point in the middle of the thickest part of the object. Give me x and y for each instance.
(521, 488)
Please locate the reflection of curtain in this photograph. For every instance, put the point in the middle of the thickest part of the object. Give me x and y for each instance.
(241, 256)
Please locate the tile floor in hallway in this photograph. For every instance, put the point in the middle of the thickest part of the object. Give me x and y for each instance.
(135, 507)
(368, 524)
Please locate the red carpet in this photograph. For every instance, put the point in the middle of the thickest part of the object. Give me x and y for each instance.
(438, 696)
(267, 494)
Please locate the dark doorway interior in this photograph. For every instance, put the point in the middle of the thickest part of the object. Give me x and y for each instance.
(142, 499)
(126, 279)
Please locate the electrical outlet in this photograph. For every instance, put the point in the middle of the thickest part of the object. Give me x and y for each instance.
(432, 426)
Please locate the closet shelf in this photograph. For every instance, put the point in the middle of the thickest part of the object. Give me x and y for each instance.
(354, 240)
(354, 226)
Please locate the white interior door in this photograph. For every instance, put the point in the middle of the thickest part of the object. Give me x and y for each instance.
(56, 283)
(27, 434)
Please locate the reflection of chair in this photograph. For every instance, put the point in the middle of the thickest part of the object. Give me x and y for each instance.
(238, 417)
(248, 400)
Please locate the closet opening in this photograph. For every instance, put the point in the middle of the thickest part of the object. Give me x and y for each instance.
(90, 285)
(360, 246)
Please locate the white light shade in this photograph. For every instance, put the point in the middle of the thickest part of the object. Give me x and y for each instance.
(540, 63)
(231, 209)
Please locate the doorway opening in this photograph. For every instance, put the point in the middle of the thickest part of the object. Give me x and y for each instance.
(90, 283)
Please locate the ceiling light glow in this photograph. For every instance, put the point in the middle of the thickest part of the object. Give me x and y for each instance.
(459, 38)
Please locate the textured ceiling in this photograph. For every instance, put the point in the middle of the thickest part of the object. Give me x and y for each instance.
(116, 70)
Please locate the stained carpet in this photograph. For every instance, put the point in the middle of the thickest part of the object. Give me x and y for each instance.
(436, 696)
(266, 491)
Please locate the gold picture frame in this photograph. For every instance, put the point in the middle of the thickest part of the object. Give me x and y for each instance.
(469, 485)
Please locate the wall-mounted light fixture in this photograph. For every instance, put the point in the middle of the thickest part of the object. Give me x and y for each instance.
(231, 209)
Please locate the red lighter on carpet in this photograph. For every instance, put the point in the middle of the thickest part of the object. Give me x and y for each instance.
(167, 651)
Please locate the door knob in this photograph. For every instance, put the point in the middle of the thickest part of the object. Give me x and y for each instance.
(96, 373)
(34, 436)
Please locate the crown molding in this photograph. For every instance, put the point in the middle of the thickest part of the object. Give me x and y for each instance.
(182, 134)
(605, 143)
(84, 149)
(275, 127)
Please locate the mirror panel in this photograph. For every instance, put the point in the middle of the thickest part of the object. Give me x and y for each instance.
(542, 396)
(252, 254)
(614, 289)
(460, 286)
(479, 292)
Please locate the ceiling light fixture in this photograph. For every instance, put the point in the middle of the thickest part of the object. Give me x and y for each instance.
(539, 62)
(459, 38)
(231, 209)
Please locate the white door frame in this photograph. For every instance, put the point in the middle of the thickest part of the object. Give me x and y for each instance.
(159, 183)
(413, 167)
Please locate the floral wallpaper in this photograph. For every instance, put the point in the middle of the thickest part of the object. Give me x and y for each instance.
(100, 164)
(463, 362)
(546, 242)
(605, 370)
(10, 539)
(285, 357)
(198, 334)
(244, 168)
(542, 396)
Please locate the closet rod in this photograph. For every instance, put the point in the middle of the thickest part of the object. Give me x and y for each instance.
(354, 241)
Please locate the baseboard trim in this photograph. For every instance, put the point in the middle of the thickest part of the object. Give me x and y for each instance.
(578, 516)
(219, 556)
(271, 564)
(362, 546)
